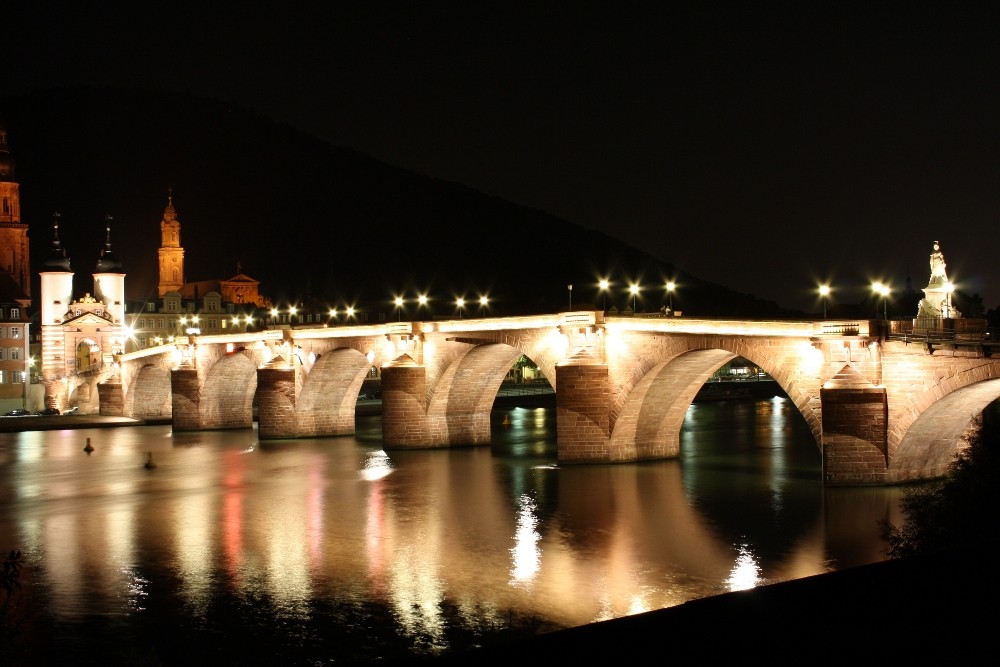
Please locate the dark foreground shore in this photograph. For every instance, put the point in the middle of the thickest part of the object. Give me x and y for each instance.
(931, 608)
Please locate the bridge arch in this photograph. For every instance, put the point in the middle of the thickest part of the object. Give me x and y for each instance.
(326, 403)
(936, 435)
(458, 411)
(650, 421)
(148, 394)
(652, 386)
(226, 399)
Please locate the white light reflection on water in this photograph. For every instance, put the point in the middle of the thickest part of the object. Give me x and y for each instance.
(418, 592)
(376, 465)
(525, 556)
(746, 572)
(774, 428)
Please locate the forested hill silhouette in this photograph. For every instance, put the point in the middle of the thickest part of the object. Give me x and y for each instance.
(305, 218)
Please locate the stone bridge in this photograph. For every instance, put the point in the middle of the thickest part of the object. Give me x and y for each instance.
(882, 411)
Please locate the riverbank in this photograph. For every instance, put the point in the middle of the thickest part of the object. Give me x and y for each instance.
(58, 422)
(923, 609)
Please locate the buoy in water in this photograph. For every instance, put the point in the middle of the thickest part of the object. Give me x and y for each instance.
(88, 448)
(149, 460)
(506, 420)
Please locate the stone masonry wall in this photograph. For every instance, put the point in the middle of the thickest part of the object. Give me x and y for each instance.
(583, 414)
(855, 450)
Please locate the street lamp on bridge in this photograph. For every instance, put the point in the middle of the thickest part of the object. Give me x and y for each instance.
(604, 284)
(483, 302)
(670, 295)
(883, 290)
(399, 308)
(570, 288)
(634, 289)
(824, 293)
(460, 304)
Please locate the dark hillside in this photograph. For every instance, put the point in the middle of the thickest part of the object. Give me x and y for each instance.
(305, 218)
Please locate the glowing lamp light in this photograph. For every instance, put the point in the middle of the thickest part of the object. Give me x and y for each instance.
(824, 293)
(604, 285)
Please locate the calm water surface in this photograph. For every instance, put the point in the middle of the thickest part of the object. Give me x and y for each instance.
(315, 551)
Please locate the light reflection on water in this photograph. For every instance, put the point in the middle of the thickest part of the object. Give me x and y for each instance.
(333, 548)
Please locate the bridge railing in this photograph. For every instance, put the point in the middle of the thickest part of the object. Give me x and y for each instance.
(960, 333)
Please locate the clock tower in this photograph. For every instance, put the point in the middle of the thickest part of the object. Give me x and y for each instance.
(171, 252)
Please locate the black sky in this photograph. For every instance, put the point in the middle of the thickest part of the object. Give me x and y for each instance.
(761, 148)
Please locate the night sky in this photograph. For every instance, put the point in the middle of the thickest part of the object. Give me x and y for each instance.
(762, 149)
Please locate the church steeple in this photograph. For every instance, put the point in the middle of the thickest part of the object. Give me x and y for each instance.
(171, 253)
(14, 255)
(57, 260)
(109, 279)
(107, 262)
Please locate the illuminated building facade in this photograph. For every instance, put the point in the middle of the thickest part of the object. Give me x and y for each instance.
(206, 307)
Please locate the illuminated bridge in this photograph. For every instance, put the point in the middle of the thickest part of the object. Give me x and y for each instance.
(883, 408)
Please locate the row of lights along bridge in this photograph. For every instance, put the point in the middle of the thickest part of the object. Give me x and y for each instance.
(463, 306)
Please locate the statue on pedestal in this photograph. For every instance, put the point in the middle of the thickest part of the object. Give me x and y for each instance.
(938, 264)
(936, 304)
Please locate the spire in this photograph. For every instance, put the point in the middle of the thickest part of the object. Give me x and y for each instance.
(107, 262)
(169, 214)
(57, 258)
(6, 159)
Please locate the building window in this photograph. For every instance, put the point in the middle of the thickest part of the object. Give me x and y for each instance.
(15, 313)
(15, 353)
(151, 307)
(3, 377)
(15, 332)
(3, 354)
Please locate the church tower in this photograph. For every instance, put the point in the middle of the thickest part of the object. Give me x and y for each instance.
(14, 256)
(109, 281)
(57, 295)
(171, 252)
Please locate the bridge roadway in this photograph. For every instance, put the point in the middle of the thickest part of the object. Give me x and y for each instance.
(881, 410)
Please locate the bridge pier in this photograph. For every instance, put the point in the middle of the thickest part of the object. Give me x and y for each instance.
(276, 401)
(855, 445)
(404, 405)
(112, 398)
(583, 412)
(185, 393)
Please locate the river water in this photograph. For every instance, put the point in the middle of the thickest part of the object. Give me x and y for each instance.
(323, 550)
